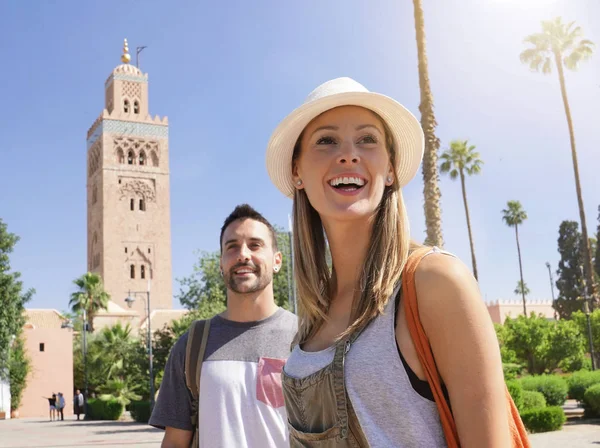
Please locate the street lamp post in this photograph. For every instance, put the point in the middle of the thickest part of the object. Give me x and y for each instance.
(551, 282)
(130, 300)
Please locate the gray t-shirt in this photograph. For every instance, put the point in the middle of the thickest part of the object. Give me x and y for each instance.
(241, 400)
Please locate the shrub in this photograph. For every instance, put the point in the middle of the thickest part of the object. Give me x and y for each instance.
(554, 388)
(140, 411)
(591, 401)
(19, 367)
(532, 400)
(544, 419)
(516, 392)
(581, 381)
(98, 409)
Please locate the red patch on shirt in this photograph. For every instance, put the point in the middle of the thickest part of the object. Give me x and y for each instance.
(268, 381)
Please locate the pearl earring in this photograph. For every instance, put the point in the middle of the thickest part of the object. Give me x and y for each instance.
(389, 179)
(299, 182)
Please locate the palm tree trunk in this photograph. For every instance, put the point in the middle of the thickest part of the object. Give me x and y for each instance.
(431, 191)
(521, 270)
(464, 192)
(587, 251)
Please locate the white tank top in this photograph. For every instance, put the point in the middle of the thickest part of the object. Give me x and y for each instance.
(390, 411)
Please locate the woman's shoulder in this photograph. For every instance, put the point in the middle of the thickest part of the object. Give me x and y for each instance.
(442, 276)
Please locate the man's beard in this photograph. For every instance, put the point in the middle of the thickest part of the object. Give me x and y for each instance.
(259, 281)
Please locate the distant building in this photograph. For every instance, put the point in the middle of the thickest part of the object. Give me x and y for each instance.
(501, 309)
(50, 350)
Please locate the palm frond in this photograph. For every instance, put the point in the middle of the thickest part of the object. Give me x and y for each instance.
(454, 174)
(547, 67)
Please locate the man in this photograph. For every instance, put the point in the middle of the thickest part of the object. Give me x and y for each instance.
(79, 403)
(240, 396)
(60, 406)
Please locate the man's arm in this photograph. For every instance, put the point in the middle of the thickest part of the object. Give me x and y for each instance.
(173, 408)
(176, 438)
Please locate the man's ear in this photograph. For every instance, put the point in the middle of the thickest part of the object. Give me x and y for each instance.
(277, 261)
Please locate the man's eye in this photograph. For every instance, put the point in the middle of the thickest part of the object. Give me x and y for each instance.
(326, 141)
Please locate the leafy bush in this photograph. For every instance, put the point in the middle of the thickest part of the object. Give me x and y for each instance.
(540, 344)
(591, 401)
(553, 387)
(19, 367)
(516, 392)
(140, 411)
(511, 370)
(581, 381)
(98, 409)
(544, 419)
(532, 400)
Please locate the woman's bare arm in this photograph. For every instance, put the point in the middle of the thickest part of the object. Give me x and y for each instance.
(465, 348)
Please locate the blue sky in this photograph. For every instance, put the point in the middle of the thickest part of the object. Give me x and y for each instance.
(225, 73)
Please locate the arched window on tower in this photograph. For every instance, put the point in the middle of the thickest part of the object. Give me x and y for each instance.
(142, 205)
(94, 194)
(136, 107)
(143, 272)
(130, 157)
(126, 106)
(142, 159)
(120, 156)
(132, 204)
(132, 271)
(154, 158)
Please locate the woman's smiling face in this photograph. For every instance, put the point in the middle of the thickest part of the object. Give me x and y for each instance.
(344, 164)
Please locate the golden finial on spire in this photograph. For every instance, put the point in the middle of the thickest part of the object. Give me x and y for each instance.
(125, 57)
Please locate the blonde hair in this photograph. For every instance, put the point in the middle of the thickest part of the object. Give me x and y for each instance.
(385, 259)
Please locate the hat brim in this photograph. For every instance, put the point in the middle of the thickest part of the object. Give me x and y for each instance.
(405, 128)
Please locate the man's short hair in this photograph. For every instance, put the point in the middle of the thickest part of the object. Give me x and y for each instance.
(243, 212)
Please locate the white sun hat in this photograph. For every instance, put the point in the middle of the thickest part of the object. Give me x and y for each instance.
(405, 128)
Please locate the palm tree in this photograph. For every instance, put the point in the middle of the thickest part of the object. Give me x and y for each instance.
(564, 45)
(514, 216)
(90, 298)
(431, 190)
(522, 289)
(458, 160)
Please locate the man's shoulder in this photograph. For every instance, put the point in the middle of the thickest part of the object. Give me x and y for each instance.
(290, 318)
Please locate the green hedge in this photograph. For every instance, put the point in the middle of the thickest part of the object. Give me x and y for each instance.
(516, 392)
(544, 419)
(581, 381)
(533, 400)
(553, 387)
(591, 401)
(140, 411)
(98, 409)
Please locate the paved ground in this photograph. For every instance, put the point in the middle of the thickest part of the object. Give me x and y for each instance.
(37, 433)
(30, 433)
(573, 435)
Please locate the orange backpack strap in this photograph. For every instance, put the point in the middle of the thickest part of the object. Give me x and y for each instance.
(425, 355)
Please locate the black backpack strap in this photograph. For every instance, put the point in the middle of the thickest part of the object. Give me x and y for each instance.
(194, 356)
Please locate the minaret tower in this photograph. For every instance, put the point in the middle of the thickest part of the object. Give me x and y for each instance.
(128, 199)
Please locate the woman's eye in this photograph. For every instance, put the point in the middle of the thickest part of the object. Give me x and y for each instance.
(326, 141)
(368, 139)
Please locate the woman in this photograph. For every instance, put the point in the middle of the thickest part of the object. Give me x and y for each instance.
(52, 406)
(354, 378)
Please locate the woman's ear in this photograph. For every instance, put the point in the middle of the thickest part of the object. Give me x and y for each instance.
(296, 177)
(389, 179)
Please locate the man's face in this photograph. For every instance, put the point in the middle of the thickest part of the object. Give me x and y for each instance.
(248, 259)
(78, 392)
